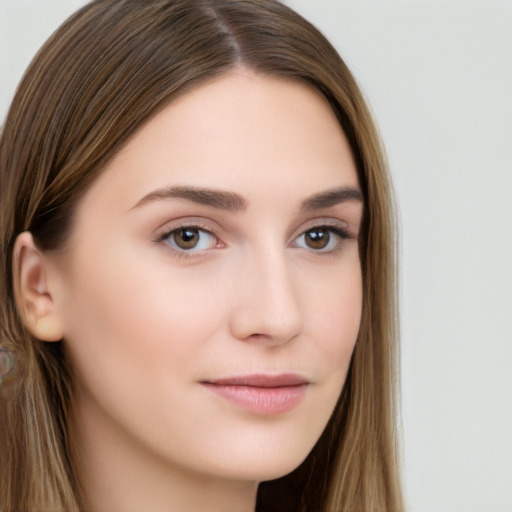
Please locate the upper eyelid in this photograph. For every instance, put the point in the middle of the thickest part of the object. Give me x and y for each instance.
(320, 222)
(326, 221)
(188, 222)
(166, 232)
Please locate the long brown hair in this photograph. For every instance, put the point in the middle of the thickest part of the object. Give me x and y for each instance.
(105, 72)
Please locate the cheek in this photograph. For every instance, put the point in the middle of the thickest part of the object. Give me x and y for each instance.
(334, 313)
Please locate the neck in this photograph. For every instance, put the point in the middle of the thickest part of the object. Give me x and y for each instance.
(118, 474)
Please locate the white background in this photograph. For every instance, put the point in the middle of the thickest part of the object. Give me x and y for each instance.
(438, 76)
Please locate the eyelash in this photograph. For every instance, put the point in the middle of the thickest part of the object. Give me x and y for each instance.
(338, 230)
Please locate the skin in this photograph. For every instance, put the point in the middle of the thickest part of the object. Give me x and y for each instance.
(145, 323)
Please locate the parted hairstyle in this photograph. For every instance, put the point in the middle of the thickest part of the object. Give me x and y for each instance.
(103, 74)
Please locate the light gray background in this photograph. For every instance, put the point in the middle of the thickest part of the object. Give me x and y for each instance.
(438, 76)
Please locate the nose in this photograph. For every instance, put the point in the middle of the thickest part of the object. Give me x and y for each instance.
(266, 307)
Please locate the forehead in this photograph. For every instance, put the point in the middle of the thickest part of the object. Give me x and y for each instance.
(241, 132)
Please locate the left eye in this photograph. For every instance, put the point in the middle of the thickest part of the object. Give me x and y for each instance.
(190, 239)
(321, 239)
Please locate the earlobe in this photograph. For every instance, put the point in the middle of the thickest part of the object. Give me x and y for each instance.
(33, 292)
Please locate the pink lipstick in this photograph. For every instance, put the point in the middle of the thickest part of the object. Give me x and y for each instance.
(261, 394)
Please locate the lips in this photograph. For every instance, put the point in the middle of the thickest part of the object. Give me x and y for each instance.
(261, 394)
(262, 381)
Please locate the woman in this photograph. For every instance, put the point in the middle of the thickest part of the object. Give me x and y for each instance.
(198, 272)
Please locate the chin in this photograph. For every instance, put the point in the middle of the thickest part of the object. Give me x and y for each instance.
(268, 463)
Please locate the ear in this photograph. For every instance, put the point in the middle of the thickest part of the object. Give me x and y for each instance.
(33, 292)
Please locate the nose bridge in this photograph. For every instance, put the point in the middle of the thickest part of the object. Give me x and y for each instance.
(268, 303)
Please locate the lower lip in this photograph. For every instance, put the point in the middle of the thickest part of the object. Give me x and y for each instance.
(261, 400)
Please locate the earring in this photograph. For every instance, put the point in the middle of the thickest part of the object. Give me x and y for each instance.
(8, 364)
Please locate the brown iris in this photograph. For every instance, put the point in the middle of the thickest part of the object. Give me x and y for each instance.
(317, 238)
(186, 238)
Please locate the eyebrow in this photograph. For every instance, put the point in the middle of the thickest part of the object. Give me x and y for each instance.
(330, 198)
(232, 201)
(205, 196)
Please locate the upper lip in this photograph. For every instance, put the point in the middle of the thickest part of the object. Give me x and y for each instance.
(261, 380)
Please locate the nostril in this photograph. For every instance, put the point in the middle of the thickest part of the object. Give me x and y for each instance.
(266, 308)
(265, 326)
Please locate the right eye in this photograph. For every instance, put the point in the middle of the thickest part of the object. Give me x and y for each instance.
(190, 239)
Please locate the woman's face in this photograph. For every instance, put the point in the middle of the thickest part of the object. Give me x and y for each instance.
(210, 292)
